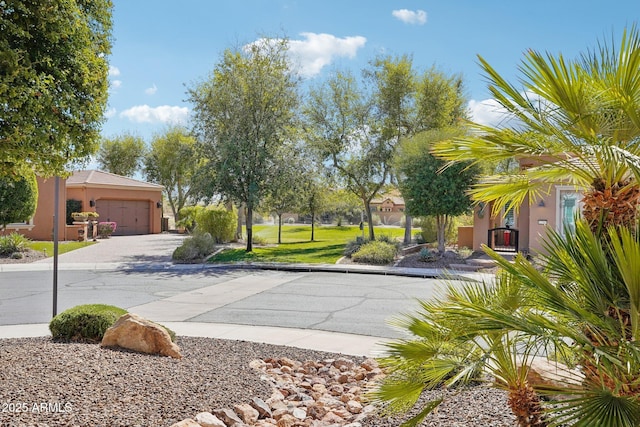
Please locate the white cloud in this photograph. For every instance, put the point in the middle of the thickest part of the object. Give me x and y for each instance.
(489, 112)
(318, 50)
(113, 71)
(110, 113)
(151, 90)
(115, 84)
(162, 114)
(407, 16)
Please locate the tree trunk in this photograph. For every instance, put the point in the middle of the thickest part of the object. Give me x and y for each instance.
(367, 208)
(407, 228)
(249, 222)
(279, 228)
(441, 224)
(313, 223)
(239, 225)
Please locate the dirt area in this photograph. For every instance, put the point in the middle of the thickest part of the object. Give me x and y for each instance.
(27, 257)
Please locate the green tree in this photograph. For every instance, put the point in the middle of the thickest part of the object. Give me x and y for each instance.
(173, 161)
(343, 131)
(53, 82)
(243, 113)
(312, 199)
(342, 204)
(18, 198)
(396, 87)
(578, 118)
(286, 186)
(428, 188)
(121, 155)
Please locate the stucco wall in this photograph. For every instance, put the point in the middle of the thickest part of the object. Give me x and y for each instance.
(42, 222)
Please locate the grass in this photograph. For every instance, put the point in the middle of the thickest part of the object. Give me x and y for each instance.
(47, 247)
(296, 247)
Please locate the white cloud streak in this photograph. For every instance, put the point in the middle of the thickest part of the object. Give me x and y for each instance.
(414, 17)
(316, 51)
(170, 114)
(113, 71)
(151, 90)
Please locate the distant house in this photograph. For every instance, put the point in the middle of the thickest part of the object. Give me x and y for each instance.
(524, 231)
(389, 207)
(134, 205)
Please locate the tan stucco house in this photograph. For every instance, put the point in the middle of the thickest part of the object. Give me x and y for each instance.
(523, 231)
(134, 205)
(389, 207)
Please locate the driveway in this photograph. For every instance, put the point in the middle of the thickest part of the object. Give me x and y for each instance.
(147, 248)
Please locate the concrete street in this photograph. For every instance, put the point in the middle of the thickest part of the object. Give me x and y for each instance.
(135, 273)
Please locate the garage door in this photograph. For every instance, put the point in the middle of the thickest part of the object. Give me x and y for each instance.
(131, 216)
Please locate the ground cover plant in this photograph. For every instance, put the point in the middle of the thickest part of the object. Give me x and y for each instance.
(86, 322)
(327, 248)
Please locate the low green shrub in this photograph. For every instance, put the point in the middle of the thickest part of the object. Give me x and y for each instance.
(12, 243)
(85, 322)
(428, 255)
(259, 240)
(354, 246)
(219, 222)
(195, 248)
(376, 252)
(188, 216)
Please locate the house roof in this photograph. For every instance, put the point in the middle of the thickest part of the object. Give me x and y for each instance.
(396, 200)
(96, 178)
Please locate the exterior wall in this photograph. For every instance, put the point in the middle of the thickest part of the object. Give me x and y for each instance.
(465, 236)
(41, 227)
(482, 222)
(541, 219)
(388, 212)
(86, 194)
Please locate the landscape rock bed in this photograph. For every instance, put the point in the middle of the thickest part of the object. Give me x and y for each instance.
(47, 383)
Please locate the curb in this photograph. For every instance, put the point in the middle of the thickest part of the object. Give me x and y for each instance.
(425, 273)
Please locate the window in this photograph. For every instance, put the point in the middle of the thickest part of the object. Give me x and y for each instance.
(569, 205)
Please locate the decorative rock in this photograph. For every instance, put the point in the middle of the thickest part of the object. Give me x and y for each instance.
(299, 413)
(354, 407)
(138, 334)
(228, 417)
(287, 421)
(186, 423)
(247, 413)
(207, 419)
(261, 406)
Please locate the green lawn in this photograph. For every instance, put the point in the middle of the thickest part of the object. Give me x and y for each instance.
(296, 247)
(63, 247)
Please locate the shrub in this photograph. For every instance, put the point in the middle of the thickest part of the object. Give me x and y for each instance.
(354, 246)
(106, 229)
(376, 252)
(259, 240)
(427, 255)
(84, 322)
(220, 223)
(195, 248)
(388, 239)
(13, 243)
(188, 216)
(73, 205)
(18, 198)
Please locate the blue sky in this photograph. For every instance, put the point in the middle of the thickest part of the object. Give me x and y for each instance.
(162, 47)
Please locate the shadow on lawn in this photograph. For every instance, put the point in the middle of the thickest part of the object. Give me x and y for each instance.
(285, 252)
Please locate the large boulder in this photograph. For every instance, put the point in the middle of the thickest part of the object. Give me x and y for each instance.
(138, 334)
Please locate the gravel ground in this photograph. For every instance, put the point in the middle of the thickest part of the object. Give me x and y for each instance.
(84, 385)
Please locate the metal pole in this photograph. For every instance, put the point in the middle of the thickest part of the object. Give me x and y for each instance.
(56, 208)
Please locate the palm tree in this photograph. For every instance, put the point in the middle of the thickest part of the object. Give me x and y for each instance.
(579, 119)
(562, 313)
(580, 122)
